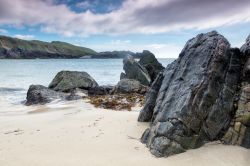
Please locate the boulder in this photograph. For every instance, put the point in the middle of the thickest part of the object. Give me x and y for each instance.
(133, 70)
(65, 81)
(194, 102)
(100, 90)
(38, 94)
(129, 86)
(152, 65)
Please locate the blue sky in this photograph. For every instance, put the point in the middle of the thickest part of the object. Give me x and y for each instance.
(161, 26)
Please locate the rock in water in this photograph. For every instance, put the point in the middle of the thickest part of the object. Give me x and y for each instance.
(135, 71)
(38, 94)
(195, 100)
(152, 65)
(239, 131)
(130, 86)
(65, 81)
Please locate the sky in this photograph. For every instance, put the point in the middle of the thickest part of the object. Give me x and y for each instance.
(161, 26)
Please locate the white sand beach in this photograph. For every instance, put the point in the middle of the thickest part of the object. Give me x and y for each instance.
(77, 134)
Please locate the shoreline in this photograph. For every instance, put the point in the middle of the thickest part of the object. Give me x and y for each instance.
(87, 135)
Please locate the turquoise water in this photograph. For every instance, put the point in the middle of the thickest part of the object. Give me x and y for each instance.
(17, 75)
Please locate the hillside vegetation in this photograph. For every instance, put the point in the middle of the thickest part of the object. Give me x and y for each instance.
(18, 48)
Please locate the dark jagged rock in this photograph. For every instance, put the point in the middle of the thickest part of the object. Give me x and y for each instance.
(122, 76)
(194, 104)
(67, 80)
(152, 65)
(245, 49)
(133, 70)
(129, 86)
(38, 94)
(100, 90)
(239, 131)
(147, 111)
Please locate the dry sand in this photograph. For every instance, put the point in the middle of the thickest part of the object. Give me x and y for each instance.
(77, 134)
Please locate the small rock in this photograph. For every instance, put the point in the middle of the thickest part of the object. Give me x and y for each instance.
(129, 86)
(100, 90)
(38, 94)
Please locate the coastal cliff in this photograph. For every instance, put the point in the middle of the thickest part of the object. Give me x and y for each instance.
(13, 48)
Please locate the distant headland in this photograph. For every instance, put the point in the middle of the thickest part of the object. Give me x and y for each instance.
(14, 48)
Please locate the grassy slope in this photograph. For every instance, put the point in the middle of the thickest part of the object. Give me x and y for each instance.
(40, 46)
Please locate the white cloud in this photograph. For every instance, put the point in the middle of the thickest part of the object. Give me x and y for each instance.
(3, 31)
(134, 16)
(25, 37)
(83, 5)
(119, 42)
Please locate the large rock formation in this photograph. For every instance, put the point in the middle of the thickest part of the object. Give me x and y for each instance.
(195, 97)
(239, 131)
(152, 65)
(67, 80)
(133, 70)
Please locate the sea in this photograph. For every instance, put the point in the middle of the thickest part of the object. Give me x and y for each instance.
(17, 75)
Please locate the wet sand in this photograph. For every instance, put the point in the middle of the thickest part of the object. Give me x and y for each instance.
(76, 133)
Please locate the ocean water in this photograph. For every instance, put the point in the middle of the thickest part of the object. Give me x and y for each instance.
(17, 75)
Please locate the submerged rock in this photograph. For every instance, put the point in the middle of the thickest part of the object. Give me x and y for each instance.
(38, 94)
(152, 65)
(194, 102)
(133, 70)
(130, 86)
(65, 81)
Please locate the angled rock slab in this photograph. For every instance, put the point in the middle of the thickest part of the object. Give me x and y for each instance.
(194, 103)
(133, 70)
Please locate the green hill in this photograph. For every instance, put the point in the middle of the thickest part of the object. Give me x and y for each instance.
(18, 48)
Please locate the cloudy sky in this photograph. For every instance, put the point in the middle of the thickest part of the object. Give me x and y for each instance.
(161, 26)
